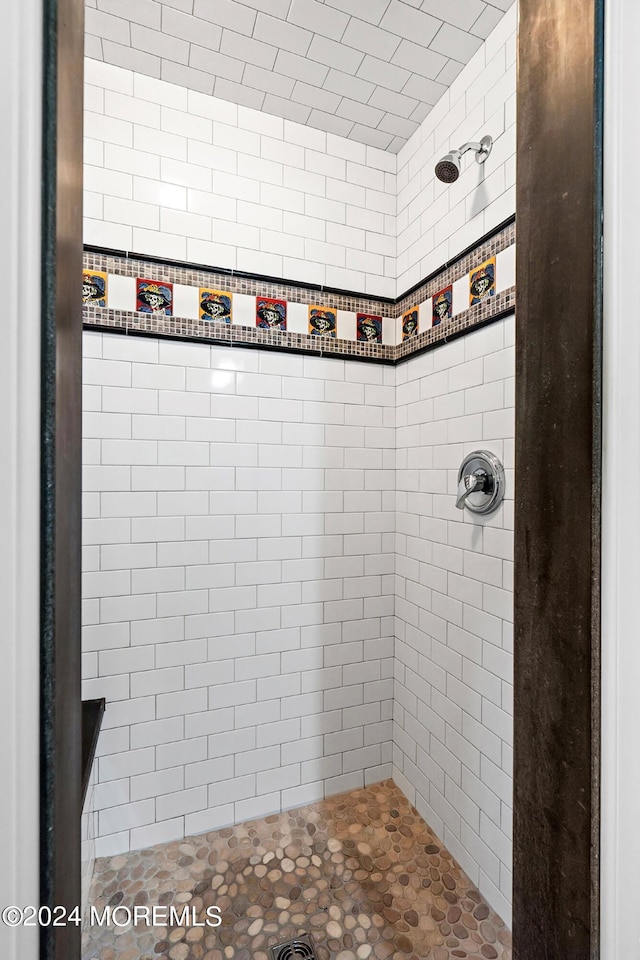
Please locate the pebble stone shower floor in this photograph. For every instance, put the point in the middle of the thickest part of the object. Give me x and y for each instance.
(361, 873)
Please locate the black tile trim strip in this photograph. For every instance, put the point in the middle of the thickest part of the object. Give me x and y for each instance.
(239, 274)
(244, 344)
(299, 284)
(164, 270)
(221, 334)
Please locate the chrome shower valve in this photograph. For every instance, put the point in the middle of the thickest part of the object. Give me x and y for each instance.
(480, 482)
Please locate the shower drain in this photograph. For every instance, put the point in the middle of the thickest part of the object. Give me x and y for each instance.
(299, 948)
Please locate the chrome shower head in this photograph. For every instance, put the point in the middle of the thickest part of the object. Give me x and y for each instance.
(448, 168)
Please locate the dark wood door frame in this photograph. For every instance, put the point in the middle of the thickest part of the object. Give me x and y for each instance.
(60, 720)
(557, 508)
(557, 468)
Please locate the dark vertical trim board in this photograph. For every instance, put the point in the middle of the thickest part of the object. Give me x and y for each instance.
(557, 524)
(61, 723)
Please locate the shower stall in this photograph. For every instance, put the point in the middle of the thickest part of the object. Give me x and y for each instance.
(298, 525)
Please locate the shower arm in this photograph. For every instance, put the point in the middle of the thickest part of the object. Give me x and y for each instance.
(472, 145)
(481, 149)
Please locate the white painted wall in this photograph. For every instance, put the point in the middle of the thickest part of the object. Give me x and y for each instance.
(436, 221)
(620, 784)
(179, 174)
(20, 192)
(453, 726)
(238, 581)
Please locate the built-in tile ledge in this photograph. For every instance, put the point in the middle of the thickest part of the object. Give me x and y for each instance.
(141, 296)
(92, 714)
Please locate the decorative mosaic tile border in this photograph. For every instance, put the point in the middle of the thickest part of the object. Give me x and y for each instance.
(470, 260)
(135, 295)
(476, 316)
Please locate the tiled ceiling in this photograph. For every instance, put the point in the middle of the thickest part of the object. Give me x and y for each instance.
(370, 70)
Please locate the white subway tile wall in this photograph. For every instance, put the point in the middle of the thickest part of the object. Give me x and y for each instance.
(175, 173)
(435, 221)
(454, 604)
(239, 536)
(253, 522)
